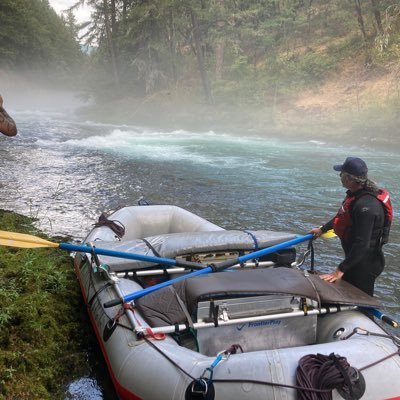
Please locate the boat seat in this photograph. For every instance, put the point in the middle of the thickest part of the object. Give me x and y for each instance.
(161, 308)
(171, 245)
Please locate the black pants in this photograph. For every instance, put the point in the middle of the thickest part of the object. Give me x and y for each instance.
(364, 274)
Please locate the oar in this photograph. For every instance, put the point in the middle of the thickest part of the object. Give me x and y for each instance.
(380, 315)
(329, 234)
(23, 240)
(211, 268)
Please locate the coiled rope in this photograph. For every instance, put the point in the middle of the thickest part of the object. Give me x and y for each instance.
(319, 371)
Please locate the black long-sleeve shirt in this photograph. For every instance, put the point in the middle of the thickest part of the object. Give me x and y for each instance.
(368, 218)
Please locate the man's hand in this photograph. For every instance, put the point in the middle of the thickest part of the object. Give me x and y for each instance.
(332, 277)
(317, 232)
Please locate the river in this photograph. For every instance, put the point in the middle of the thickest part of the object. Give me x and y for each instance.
(65, 172)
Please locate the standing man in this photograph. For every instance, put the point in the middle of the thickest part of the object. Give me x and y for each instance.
(7, 124)
(362, 224)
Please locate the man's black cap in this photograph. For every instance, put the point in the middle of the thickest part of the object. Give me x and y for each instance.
(353, 166)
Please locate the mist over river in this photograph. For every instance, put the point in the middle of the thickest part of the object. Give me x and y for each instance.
(65, 173)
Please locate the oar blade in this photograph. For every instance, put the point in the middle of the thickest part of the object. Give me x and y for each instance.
(329, 234)
(14, 239)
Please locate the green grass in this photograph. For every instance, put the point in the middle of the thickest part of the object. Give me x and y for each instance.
(41, 319)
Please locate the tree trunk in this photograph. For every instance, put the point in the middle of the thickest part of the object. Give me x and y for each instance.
(110, 43)
(220, 47)
(200, 58)
(171, 40)
(377, 15)
(219, 59)
(360, 18)
(124, 15)
(113, 19)
(309, 12)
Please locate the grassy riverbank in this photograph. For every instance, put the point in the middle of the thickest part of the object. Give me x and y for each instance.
(40, 319)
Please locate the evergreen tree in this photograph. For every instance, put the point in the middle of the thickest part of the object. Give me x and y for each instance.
(32, 35)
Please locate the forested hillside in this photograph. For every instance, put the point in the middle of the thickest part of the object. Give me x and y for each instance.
(33, 37)
(247, 48)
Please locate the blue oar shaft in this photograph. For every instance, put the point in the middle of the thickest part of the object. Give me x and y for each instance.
(129, 256)
(219, 267)
(380, 315)
(161, 285)
(268, 250)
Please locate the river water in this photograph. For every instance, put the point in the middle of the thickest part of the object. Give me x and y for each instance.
(65, 173)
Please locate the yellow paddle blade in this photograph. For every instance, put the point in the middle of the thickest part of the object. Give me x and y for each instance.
(329, 234)
(23, 240)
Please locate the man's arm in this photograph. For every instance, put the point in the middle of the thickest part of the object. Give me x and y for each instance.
(7, 124)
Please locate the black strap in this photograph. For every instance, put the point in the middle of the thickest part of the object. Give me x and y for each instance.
(90, 302)
(311, 249)
(251, 234)
(255, 244)
(149, 245)
(183, 306)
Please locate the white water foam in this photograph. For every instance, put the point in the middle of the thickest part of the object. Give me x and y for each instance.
(171, 146)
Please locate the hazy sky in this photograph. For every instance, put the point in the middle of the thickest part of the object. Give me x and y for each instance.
(81, 13)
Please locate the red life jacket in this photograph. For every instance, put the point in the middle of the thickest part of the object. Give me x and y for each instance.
(342, 222)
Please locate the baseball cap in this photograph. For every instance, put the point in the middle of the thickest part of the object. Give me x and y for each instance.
(353, 166)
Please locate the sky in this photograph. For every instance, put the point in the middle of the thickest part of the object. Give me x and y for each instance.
(81, 13)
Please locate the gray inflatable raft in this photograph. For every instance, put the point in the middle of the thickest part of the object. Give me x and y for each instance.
(237, 334)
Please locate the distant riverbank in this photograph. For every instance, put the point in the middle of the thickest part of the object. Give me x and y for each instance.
(355, 104)
(368, 127)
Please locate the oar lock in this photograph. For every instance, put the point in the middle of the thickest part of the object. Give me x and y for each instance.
(102, 268)
(110, 276)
